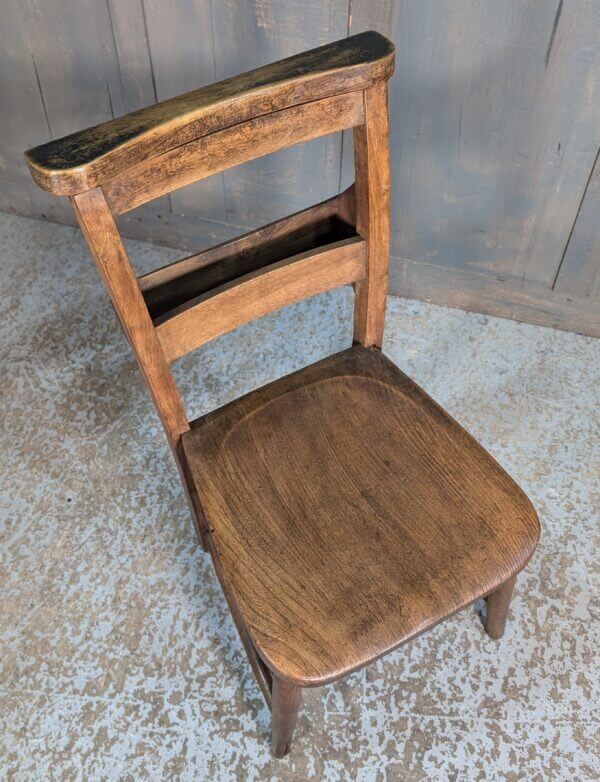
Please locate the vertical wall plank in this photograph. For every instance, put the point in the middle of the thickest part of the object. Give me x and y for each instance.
(249, 33)
(22, 119)
(181, 48)
(80, 75)
(495, 125)
(128, 29)
(568, 117)
(580, 270)
(133, 85)
(70, 57)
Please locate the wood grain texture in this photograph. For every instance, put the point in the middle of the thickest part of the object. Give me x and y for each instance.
(172, 285)
(349, 513)
(498, 603)
(133, 86)
(345, 512)
(229, 147)
(257, 293)
(495, 129)
(38, 61)
(100, 231)
(285, 702)
(83, 160)
(372, 205)
(365, 16)
(261, 672)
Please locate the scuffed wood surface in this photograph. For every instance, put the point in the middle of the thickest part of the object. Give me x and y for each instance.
(127, 626)
(259, 292)
(89, 157)
(182, 68)
(249, 34)
(212, 154)
(97, 224)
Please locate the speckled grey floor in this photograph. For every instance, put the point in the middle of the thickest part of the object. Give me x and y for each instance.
(119, 659)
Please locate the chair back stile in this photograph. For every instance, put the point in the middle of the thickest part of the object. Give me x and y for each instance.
(102, 235)
(344, 240)
(372, 183)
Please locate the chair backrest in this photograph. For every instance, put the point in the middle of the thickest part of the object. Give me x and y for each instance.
(118, 165)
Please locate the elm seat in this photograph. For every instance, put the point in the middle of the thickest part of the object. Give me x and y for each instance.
(350, 513)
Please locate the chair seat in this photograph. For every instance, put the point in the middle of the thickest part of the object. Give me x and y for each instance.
(350, 513)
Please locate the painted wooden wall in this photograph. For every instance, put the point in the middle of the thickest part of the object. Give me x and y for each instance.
(495, 123)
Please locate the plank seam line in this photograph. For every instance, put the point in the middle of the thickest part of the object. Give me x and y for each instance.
(39, 84)
(585, 189)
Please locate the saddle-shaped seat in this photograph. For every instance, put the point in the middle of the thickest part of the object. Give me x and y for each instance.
(351, 513)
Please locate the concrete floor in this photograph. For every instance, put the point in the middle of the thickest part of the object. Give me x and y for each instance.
(119, 659)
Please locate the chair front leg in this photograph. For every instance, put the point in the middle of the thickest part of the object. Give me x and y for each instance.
(285, 703)
(497, 609)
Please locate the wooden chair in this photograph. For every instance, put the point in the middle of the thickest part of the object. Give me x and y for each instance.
(345, 512)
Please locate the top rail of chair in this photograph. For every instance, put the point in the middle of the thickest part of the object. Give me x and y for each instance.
(89, 157)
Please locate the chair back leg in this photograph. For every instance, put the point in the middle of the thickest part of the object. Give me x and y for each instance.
(285, 703)
(498, 604)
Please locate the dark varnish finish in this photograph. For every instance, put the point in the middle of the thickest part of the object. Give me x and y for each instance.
(345, 512)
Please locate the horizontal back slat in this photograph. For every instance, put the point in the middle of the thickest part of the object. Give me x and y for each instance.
(91, 157)
(230, 147)
(260, 292)
(168, 287)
